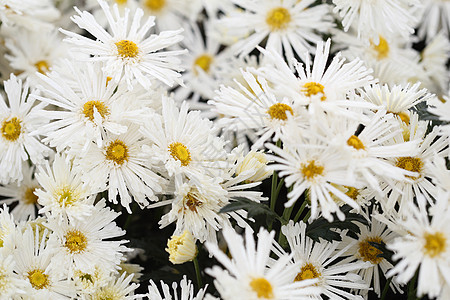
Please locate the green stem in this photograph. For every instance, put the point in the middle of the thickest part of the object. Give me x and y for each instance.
(300, 211)
(305, 219)
(274, 190)
(386, 288)
(197, 272)
(411, 287)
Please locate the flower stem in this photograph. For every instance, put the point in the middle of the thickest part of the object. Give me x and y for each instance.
(411, 285)
(300, 211)
(198, 273)
(386, 288)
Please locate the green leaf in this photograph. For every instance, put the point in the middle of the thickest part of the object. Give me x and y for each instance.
(252, 208)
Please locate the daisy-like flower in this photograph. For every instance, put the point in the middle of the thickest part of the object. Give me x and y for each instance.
(128, 52)
(186, 287)
(80, 245)
(120, 288)
(88, 283)
(10, 284)
(251, 274)
(427, 244)
(17, 122)
(288, 25)
(8, 231)
(61, 191)
(31, 14)
(435, 18)
(35, 263)
(122, 168)
(23, 194)
(378, 17)
(317, 260)
(185, 142)
(377, 232)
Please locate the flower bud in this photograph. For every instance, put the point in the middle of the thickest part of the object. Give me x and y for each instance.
(181, 248)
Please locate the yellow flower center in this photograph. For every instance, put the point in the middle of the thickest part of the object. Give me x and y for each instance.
(76, 241)
(121, 2)
(308, 271)
(66, 195)
(356, 143)
(278, 111)
(180, 152)
(352, 192)
(278, 18)
(38, 279)
(155, 5)
(88, 109)
(29, 197)
(413, 164)
(117, 152)
(42, 66)
(87, 277)
(11, 129)
(313, 88)
(403, 116)
(435, 244)
(262, 288)
(203, 62)
(311, 170)
(369, 252)
(192, 202)
(382, 48)
(127, 49)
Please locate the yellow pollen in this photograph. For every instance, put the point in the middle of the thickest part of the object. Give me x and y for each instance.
(403, 116)
(38, 279)
(88, 109)
(180, 152)
(369, 252)
(352, 192)
(311, 170)
(262, 288)
(435, 244)
(11, 129)
(76, 241)
(121, 2)
(413, 164)
(87, 277)
(278, 18)
(313, 88)
(66, 196)
(155, 5)
(204, 62)
(356, 143)
(42, 66)
(192, 202)
(108, 79)
(382, 48)
(278, 111)
(308, 271)
(117, 151)
(127, 49)
(29, 197)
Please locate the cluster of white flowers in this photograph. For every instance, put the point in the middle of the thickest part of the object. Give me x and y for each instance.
(122, 106)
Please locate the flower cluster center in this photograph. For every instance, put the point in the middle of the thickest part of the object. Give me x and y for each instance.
(382, 48)
(88, 109)
(180, 152)
(117, 152)
(262, 288)
(203, 62)
(369, 252)
(29, 197)
(76, 241)
(311, 170)
(38, 279)
(313, 88)
(278, 111)
(435, 244)
(11, 129)
(308, 271)
(42, 66)
(155, 5)
(278, 18)
(192, 202)
(127, 49)
(413, 164)
(356, 143)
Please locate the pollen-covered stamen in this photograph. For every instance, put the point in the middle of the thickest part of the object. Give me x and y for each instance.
(435, 244)
(192, 202)
(42, 66)
(38, 279)
(382, 49)
(278, 18)
(76, 241)
(352, 192)
(369, 252)
(278, 111)
(117, 152)
(262, 288)
(308, 271)
(314, 88)
(29, 197)
(356, 143)
(403, 116)
(88, 109)
(11, 129)
(311, 170)
(127, 49)
(204, 62)
(180, 152)
(155, 5)
(66, 195)
(413, 164)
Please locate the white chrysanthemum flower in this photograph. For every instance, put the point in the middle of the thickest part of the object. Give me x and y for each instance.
(434, 58)
(255, 162)
(23, 195)
(8, 232)
(435, 18)
(30, 14)
(18, 120)
(181, 248)
(120, 288)
(128, 51)
(427, 244)
(61, 191)
(80, 245)
(88, 283)
(288, 25)
(35, 263)
(376, 232)
(251, 274)
(186, 287)
(122, 168)
(185, 142)
(328, 83)
(378, 17)
(11, 286)
(317, 260)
